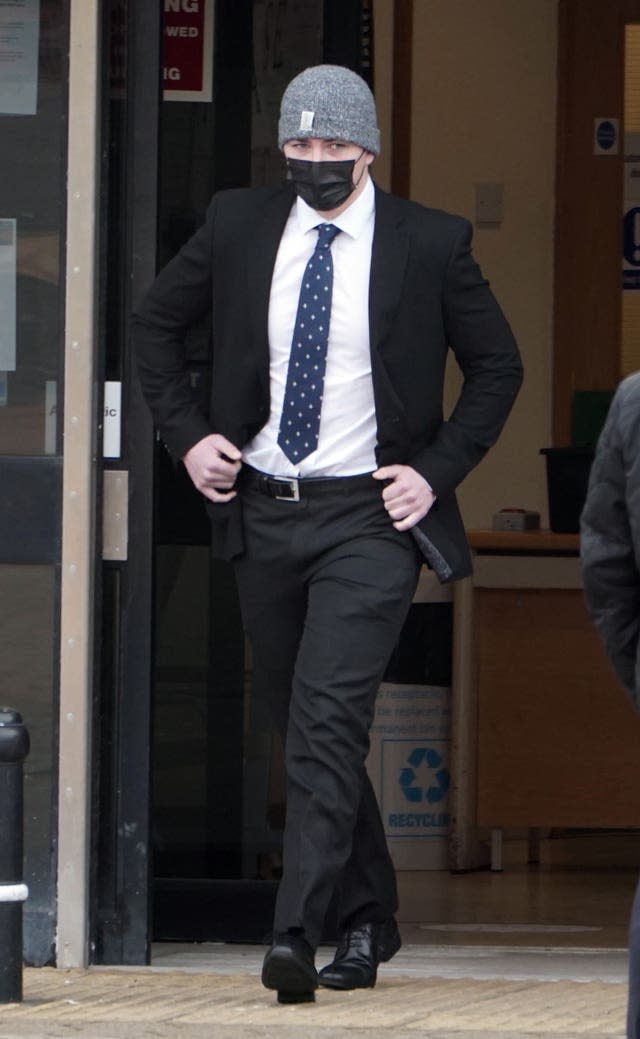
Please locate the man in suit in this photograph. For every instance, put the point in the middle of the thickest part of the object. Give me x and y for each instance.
(329, 483)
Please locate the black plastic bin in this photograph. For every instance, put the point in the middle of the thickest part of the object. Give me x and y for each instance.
(567, 479)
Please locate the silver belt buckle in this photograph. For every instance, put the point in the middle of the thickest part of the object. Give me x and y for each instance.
(293, 485)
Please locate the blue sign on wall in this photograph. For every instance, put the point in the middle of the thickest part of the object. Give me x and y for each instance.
(605, 136)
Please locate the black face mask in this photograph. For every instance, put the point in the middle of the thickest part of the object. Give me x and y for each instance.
(322, 185)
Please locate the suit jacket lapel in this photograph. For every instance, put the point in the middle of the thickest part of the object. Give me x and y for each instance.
(262, 251)
(388, 264)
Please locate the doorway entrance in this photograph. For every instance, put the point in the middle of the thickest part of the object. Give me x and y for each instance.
(190, 800)
(217, 774)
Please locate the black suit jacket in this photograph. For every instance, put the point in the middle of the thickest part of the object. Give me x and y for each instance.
(427, 295)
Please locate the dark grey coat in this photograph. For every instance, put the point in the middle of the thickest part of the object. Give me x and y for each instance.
(610, 536)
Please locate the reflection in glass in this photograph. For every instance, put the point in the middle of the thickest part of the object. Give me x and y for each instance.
(32, 174)
(27, 611)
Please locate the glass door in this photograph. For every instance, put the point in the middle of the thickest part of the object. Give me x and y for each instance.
(33, 137)
(215, 853)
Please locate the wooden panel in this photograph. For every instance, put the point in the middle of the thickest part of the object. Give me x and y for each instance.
(402, 87)
(588, 203)
(558, 742)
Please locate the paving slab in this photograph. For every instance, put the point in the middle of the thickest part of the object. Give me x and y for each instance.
(144, 1003)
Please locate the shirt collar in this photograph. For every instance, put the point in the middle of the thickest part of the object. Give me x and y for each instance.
(352, 221)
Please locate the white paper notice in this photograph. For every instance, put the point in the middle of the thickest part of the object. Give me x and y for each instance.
(112, 415)
(7, 295)
(19, 34)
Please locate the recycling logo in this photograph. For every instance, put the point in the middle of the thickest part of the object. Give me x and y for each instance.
(424, 777)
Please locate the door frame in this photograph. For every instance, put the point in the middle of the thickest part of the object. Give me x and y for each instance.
(78, 489)
(121, 873)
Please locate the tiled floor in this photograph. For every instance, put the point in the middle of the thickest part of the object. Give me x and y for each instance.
(134, 1003)
(579, 895)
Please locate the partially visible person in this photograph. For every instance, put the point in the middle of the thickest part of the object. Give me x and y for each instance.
(610, 555)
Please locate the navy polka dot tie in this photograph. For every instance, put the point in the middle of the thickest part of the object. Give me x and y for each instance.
(300, 422)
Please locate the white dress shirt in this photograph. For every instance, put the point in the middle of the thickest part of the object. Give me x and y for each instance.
(346, 445)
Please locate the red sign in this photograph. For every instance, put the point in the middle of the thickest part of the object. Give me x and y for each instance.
(188, 49)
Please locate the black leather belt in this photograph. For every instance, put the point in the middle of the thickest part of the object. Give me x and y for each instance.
(284, 488)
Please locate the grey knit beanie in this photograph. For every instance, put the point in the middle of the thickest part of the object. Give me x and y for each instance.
(329, 102)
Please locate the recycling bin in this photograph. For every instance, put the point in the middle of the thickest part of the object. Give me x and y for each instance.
(409, 755)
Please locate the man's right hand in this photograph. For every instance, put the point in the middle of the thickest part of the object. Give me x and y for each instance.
(213, 464)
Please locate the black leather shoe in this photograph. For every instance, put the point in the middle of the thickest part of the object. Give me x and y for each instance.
(290, 969)
(359, 953)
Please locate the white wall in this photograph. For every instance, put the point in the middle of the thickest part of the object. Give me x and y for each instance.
(484, 111)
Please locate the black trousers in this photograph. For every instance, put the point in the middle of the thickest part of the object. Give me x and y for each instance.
(325, 584)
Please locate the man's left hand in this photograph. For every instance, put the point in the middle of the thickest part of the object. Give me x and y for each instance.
(408, 497)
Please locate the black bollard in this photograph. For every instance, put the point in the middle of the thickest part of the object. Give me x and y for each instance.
(14, 747)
